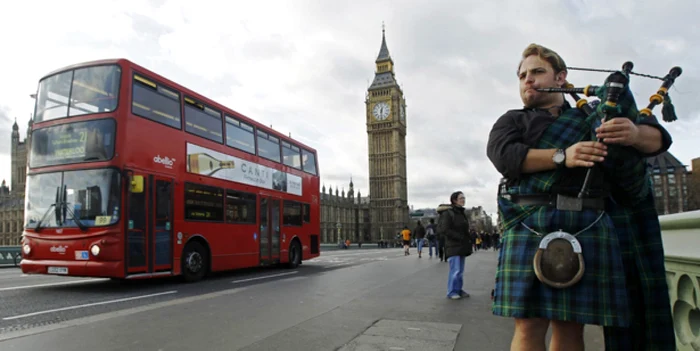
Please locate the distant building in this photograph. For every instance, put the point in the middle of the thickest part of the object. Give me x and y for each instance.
(479, 220)
(386, 121)
(670, 178)
(12, 197)
(344, 216)
(382, 214)
(693, 179)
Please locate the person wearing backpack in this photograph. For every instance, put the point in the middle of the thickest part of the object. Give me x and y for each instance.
(454, 225)
(431, 237)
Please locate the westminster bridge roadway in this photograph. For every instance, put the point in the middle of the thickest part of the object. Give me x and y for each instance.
(345, 299)
(374, 299)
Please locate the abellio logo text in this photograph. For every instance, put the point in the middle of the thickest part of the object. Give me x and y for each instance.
(167, 161)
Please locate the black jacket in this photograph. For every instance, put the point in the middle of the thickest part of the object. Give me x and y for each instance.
(453, 225)
(419, 232)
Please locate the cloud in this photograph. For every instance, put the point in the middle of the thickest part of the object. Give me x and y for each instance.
(304, 68)
(5, 131)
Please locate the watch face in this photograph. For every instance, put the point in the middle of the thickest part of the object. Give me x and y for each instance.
(559, 156)
(381, 111)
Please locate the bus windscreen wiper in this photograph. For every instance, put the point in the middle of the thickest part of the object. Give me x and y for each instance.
(48, 210)
(38, 224)
(64, 203)
(75, 219)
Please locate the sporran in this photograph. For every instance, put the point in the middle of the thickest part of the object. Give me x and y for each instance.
(559, 261)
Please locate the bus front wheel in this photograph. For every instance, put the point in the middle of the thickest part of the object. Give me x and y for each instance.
(194, 262)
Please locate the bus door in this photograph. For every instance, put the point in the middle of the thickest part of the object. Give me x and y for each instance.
(269, 230)
(149, 223)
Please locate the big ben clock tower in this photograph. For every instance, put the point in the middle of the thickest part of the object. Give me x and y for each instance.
(386, 134)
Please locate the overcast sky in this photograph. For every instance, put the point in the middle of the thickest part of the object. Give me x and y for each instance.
(304, 67)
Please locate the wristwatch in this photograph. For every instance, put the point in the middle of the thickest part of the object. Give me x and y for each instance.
(559, 158)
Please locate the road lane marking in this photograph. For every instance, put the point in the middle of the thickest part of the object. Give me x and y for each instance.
(52, 284)
(115, 314)
(89, 305)
(263, 277)
(344, 254)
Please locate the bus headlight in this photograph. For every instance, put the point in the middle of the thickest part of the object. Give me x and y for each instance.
(95, 250)
(26, 249)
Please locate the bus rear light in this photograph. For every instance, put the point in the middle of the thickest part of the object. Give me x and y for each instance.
(95, 250)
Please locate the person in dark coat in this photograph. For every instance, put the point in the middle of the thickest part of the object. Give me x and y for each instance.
(454, 226)
(419, 235)
(441, 237)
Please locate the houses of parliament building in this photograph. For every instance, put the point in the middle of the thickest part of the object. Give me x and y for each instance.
(12, 197)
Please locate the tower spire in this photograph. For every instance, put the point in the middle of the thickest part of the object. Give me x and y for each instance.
(383, 50)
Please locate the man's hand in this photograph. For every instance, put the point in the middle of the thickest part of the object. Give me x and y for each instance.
(585, 154)
(618, 131)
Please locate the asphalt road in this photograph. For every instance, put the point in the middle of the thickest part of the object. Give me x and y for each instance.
(28, 301)
(343, 300)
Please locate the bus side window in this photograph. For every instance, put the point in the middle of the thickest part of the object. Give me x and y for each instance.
(203, 121)
(292, 213)
(155, 102)
(268, 146)
(307, 213)
(240, 207)
(308, 160)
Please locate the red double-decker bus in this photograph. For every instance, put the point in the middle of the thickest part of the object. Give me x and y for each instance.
(133, 176)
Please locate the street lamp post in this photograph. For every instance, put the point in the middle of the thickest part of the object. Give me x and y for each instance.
(338, 225)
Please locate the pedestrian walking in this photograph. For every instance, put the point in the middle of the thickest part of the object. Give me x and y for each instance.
(454, 225)
(406, 234)
(431, 237)
(419, 234)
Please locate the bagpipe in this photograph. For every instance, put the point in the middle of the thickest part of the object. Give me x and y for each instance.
(616, 86)
(559, 260)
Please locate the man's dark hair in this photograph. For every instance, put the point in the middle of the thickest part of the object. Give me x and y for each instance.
(454, 196)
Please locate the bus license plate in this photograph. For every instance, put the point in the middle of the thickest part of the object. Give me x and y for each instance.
(58, 270)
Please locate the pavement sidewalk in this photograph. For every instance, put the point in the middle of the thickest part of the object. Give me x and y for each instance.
(416, 315)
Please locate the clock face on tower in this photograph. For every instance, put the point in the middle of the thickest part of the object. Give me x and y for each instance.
(402, 114)
(381, 111)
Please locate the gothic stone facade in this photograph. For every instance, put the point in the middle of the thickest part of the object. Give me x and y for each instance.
(344, 216)
(386, 136)
(12, 198)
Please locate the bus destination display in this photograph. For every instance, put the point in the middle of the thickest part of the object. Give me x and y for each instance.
(73, 142)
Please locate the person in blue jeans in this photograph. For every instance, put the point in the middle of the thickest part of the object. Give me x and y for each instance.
(430, 235)
(453, 224)
(419, 235)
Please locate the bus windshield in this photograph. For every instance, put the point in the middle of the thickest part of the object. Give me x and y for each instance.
(84, 198)
(78, 92)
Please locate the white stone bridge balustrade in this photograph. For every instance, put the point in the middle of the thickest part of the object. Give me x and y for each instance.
(681, 237)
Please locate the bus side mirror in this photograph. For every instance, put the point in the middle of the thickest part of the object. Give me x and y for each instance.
(136, 183)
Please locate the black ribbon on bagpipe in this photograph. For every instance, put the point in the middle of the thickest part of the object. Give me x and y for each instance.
(615, 85)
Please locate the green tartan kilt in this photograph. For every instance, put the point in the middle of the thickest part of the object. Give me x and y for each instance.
(599, 298)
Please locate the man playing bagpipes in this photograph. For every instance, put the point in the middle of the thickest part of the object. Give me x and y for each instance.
(580, 226)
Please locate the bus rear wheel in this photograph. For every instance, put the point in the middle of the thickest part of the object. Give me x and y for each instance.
(294, 254)
(194, 262)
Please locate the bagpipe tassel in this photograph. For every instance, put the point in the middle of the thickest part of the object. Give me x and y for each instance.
(668, 111)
